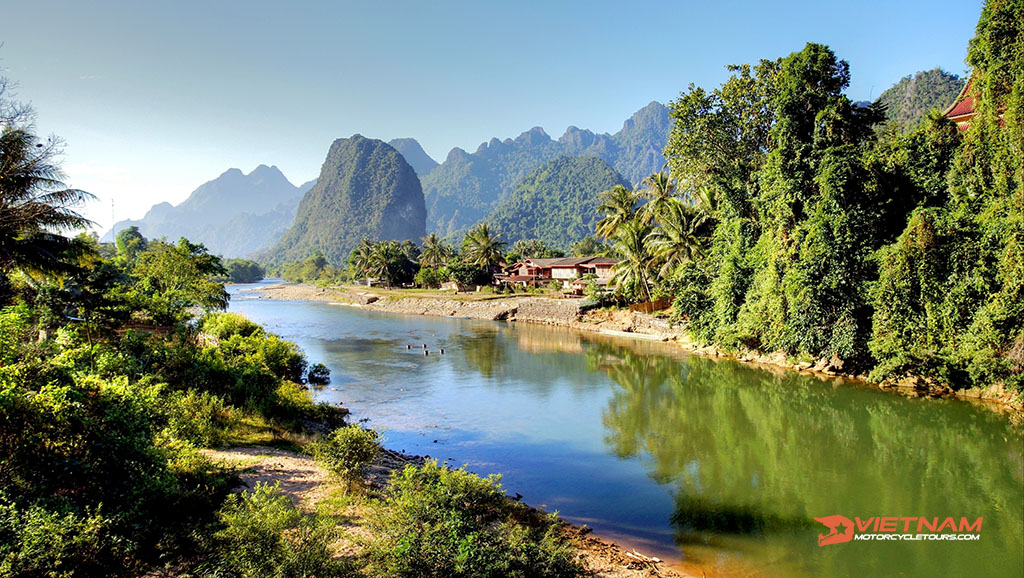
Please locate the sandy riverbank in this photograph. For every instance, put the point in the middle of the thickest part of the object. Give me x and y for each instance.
(307, 485)
(623, 323)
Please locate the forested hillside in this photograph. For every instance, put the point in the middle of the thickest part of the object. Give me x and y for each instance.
(365, 190)
(909, 100)
(900, 254)
(556, 203)
(467, 186)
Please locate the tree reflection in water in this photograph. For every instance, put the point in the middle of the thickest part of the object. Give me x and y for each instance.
(756, 455)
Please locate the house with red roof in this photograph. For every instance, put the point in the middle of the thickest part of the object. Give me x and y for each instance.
(567, 270)
(962, 110)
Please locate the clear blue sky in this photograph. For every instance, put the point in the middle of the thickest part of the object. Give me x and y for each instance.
(153, 100)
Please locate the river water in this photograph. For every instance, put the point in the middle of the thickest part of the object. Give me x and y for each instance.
(715, 463)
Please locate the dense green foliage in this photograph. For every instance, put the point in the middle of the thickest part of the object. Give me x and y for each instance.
(556, 203)
(466, 274)
(35, 204)
(909, 100)
(314, 268)
(388, 263)
(439, 522)
(243, 270)
(466, 187)
(99, 420)
(99, 470)
(898, 252)
(365, 190)
(129, 243)
(778, 148)
(950, 298)
(265, 536)
(170, 279)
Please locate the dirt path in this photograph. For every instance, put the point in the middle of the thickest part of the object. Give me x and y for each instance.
(307, 484)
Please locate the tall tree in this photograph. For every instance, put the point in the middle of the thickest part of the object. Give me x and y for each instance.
(35, 205)
(483, 247)
(173, 278)
(633, 271)
(435, 252)
(386, 260)
(678, 237)
(658, 188)
(359, 259)
(619, 206)
(130, 242)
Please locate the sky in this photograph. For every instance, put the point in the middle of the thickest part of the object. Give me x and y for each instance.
(154, 99)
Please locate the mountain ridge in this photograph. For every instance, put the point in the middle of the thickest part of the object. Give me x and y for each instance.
(914, 95)
(414, 154)
(467, 186)
(366, 188)
(220, 212)
(557, 202)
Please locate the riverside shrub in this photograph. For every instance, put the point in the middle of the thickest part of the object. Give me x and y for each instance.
(264, 536)
(347, 451)
(319, 374)
(224, 325)
(438, 522)
(196, 417)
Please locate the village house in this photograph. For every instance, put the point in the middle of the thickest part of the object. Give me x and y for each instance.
(962, 110)
(567, 270)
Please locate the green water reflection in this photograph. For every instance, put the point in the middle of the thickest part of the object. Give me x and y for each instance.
(753, 456)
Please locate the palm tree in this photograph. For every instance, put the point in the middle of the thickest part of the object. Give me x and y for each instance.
(435, 251)
(361, 257)
(36, 206)
(678, 238)
(619, 207)
(706, 203)
(482, 247)
(634, 268)
(386, 258)
(658, 189)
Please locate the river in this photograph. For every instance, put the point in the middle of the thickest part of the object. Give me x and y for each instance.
(713, 462)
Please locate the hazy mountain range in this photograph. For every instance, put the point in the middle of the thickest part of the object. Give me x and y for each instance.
(235, 214)
(557, 202)
(245, 215)
(414, 155)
